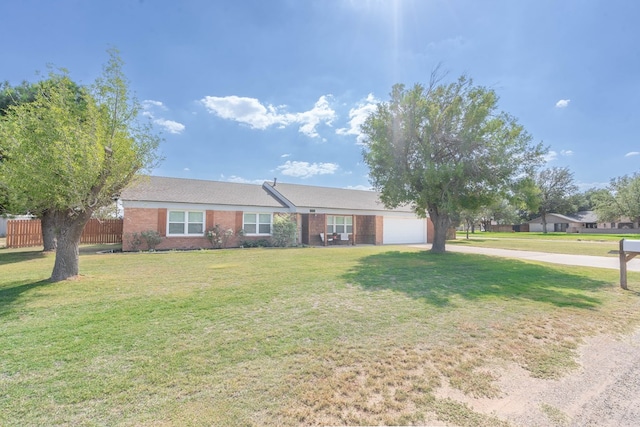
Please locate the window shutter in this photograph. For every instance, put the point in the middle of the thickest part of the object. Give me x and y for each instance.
(210, 222)
(239, 222)
(162, 222)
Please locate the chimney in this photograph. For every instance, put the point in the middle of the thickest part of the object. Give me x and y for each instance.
(274, 181)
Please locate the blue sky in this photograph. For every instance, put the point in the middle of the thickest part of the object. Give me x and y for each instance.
(250, 90)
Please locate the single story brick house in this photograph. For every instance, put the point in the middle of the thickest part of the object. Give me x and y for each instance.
(182, 210)
(581, 222)
(559, 223)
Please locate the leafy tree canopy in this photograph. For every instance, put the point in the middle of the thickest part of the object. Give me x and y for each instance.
(621, 199)
(72, 151)
(555, 193)
(444, 148)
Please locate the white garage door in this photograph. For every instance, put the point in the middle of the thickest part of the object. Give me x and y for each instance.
(404, 230)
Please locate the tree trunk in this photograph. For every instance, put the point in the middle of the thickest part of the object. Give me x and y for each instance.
(69, 233)
(48, 223)
(544, 222)
(441, 224)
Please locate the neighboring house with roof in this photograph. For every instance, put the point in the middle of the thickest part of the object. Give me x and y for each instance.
(581, 222)
(561, 223)
(182, 210)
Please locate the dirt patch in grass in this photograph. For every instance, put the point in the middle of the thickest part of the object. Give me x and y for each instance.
(597, 392)
(397, 387)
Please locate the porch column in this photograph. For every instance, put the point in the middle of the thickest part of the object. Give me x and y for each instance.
(324, 231)
(353, 230)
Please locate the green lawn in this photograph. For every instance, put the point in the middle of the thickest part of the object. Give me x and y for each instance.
(313, 336)
(554, 236)
(578, 244)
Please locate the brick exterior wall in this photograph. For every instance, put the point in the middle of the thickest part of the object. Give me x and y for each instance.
(317, 224)
(137, 220)
(379, 230)
(430, 230)
(368, 229)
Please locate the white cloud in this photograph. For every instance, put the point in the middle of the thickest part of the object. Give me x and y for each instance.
(187, 170)
(563, 103)
(357, 117)
(243, 110)
(251, 112)
(550, 156)
(321, 112)
(240, 180)
(170, 126)
(150, 107)
(286, 155)
(306, 169)
(359, 187)
(149, 103)
(553, 155)
(632, 153)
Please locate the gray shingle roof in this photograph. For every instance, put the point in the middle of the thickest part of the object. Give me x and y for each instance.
(582, 216)
(179, 190)
(307, 196)
(586, 216)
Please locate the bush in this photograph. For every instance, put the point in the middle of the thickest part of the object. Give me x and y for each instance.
(152, 238)
(219, 237)
(135, 240)
(285, 231)
(262, 243)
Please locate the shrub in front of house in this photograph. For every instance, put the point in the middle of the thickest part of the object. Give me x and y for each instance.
(135, 241)
(219, 237)
(284, 231)
(152, 238)
(259, 243)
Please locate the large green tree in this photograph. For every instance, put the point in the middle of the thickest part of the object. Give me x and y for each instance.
(501, 211)
(556, 192)
(621, 199)
(11, 96)
(75, 157)
(444, 148)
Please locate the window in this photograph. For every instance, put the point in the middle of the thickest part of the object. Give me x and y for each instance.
(186, 223)
(255, 223)
(339, 224)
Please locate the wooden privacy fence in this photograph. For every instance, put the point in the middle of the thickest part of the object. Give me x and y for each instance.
(25, 233)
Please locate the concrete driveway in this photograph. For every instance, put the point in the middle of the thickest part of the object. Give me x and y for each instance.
(579, 260)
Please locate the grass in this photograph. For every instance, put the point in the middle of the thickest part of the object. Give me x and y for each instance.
(554, 236)
(314, 336)
(556, 416)
(576, 244)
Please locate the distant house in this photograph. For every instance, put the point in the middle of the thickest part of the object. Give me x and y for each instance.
(182, 210)
(581, 222)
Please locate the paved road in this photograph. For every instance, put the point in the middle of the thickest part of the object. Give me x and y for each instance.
(580, 260)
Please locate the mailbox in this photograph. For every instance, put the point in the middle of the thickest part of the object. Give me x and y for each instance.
(631, 245)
